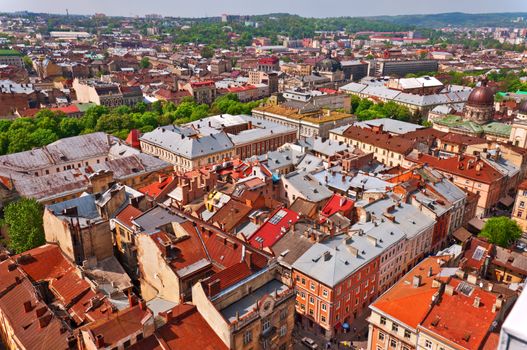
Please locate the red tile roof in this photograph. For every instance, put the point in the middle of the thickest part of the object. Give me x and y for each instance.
(274, 228)
(120, 325)
(187, 330)
(230, 275)
(133, 138)
(154, 189)
(126, 215)
(336, 204)
(382, 140)
(456, 319)
(15, 290)
(458, 167)
(408, 304)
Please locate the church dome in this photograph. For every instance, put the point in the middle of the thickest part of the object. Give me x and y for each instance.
(481, 96)
(328, 65)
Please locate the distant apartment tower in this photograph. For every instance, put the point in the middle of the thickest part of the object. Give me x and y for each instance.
(402, 68)
(267, 78)
(268, 64)
(354, 70)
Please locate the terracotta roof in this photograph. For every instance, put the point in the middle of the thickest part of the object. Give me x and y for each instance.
(189, 250)
(461, 168)
(475, 254)
(186, 330)
(230, 215)
(120, 325)
(229, 276)
(154, 189)
(461, 139)
(33, 331)
(126, 215)
(456, 319)
(382, 140)
(408, 304)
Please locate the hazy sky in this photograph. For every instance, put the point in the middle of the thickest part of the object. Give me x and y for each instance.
(315, 8)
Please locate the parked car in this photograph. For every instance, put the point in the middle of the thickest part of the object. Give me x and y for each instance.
(310, 343)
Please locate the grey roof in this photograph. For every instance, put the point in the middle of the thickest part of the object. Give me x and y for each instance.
(291, 247)
(86, 209)
(334, 179)
(308, 186)
(409, 219)
(247, 304)
(175, 140)
(67, 150)
(334, 260)
(151, 220)
(369, 183)
(281, 158)
(392, 126)
(326, 147)
(309, 163)
(442, 186)
(132, 166)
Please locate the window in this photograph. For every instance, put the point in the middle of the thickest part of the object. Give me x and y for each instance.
(139, 337)
(324, 307)
(323, 319)
(407, 334)
(303, 281)
(395, 327)
(522, 204)
(311, 300)
(428, 344)
(283, 314)
(383, 320)
(520, 213)
(127, 344)
(381, 336)
(405, 347)
(247, 337)
(266, 324)
(325, 292)
(283, 330)
(312, 286)
(393, 343)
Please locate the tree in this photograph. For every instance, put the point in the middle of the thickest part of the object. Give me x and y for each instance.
(207, 52)
(24, 224)
(501, 231)
(144, 63)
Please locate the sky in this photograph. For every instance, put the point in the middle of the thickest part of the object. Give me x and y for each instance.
(308, 8)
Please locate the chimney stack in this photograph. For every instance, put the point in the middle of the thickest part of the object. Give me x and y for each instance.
(99, 341)
(449, 289)
(477, 302)
(416, 281)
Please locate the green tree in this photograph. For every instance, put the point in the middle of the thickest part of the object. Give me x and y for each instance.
(144, 63)
(42, 137)
(501, 231)
(207, 52)
(23, 219)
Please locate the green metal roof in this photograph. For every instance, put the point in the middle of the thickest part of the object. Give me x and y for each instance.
(9, 53)
(83, 107)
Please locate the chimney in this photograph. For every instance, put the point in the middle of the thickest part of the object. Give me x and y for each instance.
(214, 287)
(27, 306)
(372, 240)
(449, 289)
(44, 321)
(477, 302)
(327, 256)
(416, 281)
(132, 299)
(430, 272)
(99, 341)
(142, 305)
(41, 311)
(249, 258)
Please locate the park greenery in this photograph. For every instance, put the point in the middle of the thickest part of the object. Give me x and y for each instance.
(365, 109)
(23, 134)
(24, 223)
(501, 231)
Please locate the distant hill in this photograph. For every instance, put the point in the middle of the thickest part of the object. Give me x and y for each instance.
(458, 19)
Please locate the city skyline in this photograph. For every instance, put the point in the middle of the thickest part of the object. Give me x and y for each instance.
(308, 8)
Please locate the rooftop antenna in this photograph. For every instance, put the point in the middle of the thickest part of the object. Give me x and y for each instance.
(67, 13)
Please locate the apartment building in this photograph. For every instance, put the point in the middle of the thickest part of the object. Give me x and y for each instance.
(106, 94)
(215, 139)
(387, 149)
(336, 280)
(308, 120)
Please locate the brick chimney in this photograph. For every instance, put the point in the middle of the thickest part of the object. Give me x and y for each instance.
(44, 321)
(99, 341)
(214, 287)
(27, 306)
(132, 299)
